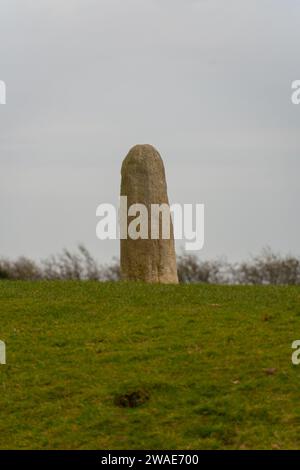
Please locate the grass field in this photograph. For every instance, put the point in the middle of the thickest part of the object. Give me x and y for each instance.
(214, 361)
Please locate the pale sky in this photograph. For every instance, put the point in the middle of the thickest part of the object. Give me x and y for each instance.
(207, 82)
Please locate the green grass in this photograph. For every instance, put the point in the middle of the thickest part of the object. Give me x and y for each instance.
(200, 352)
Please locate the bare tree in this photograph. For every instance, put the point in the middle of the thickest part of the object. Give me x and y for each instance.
(192, 270)
(269, 268)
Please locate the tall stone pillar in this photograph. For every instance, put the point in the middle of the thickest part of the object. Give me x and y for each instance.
(143, 182)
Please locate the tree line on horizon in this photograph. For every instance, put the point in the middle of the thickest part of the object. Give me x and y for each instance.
(267, 268)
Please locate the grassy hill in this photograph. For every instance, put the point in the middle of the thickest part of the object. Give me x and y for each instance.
(213, 364)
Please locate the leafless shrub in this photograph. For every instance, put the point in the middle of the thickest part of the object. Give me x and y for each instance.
(72, 266)
(4, 274)
(21, 269)
(111, 272)
(266, 268)
(79, 266)
(269, 268)
(192, 270)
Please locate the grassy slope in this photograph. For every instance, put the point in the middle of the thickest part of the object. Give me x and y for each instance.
(200, 351)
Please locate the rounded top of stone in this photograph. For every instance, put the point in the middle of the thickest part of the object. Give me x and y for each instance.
(142, 155)
(143, 148)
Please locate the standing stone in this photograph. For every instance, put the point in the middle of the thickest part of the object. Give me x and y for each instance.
(144, 182)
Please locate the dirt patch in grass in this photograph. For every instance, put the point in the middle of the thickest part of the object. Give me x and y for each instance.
(132, 399)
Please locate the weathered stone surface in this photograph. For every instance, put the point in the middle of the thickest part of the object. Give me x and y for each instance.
(144, 182)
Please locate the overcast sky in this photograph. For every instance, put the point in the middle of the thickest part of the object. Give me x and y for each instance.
(207, 82)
